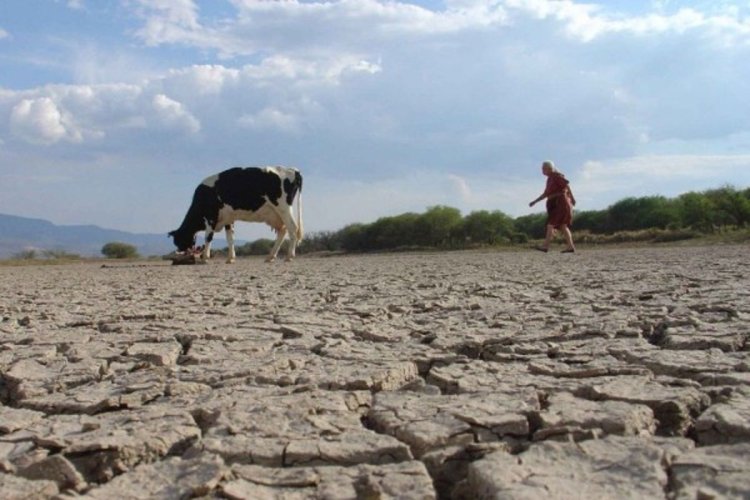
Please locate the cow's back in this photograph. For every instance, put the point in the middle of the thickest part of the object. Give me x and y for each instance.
(246, 188)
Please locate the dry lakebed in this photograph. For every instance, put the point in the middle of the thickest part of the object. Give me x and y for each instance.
(609, 373)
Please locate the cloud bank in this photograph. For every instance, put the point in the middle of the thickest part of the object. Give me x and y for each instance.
(418, 104)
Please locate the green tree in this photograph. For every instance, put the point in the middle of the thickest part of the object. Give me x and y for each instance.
(595, 221)
(392, 232)
(322, 241)
(533, 225)
(656, 212)
(119, 250)
(487, 227)
(623, 215)
(352, 238)
(438, 226)
(696, 211)
(731, 207)
(632, 214)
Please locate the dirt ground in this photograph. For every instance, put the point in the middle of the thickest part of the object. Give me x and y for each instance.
(605, 373)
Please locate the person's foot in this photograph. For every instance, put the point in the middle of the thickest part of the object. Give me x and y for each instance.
(541, 249)
(569, 250)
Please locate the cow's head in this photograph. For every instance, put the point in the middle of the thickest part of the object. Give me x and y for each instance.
(182, 239)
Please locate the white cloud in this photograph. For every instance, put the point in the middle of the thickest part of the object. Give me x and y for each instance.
(275, 94)
(461, 186)
(271, 119)
(91, 63)
(310, 26)
(174, 115)
(306, 71)
(644, 170)
(292, 25)
(667, 175)
(170, 21)
(41, 121)
(205, 78)
(589, 21)
(76, 114)
(4, 34)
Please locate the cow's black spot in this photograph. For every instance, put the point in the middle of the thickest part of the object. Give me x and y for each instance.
(291, 188)
(248, 188)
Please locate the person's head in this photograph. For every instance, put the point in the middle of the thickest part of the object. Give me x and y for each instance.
(548, 167)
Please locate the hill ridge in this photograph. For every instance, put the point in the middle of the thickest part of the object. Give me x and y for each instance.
(19, 233)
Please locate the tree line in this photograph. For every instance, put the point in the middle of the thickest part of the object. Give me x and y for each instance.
(443, 227)
(653, 218)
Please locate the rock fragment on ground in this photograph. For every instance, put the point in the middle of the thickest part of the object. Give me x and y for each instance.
(405, 480)
(719, 471)
(613, 467)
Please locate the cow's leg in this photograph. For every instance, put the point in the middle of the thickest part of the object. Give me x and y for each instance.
(291, 230)
(230, 243)
(275, 249)
(206, 254)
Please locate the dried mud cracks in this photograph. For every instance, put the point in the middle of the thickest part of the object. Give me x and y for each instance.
(612, 373)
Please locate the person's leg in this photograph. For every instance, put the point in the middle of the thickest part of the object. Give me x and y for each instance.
(548, 237)
(568, 238)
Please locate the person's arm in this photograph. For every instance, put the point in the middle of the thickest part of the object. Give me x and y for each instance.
(556, 186)
(540, 198)
(545, 195)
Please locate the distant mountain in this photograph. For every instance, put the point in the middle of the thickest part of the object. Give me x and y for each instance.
(21, 233)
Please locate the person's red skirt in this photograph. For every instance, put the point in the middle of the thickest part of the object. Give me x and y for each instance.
(559, 212)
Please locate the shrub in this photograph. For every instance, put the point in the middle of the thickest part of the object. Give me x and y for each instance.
(28, 254)
(261, 246)
(60, 255)
(118, 250)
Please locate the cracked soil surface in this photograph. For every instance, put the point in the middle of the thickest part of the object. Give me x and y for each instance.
(612, 373)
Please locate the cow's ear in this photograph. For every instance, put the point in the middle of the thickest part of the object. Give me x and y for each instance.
(171, 233)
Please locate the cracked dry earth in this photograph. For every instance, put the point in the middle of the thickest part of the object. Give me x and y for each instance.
(615, 373)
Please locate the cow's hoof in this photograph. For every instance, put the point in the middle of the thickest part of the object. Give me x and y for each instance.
(270, 259)
(230, 261)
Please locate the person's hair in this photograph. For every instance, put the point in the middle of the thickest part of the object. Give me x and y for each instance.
(550, 165)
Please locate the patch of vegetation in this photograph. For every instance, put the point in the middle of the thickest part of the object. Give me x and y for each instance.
(119, 250)
(711, 217)
(652, 235)
(716, 215)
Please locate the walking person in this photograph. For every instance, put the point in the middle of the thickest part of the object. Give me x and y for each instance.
(560, 202)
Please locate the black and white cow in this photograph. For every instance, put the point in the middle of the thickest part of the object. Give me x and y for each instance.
(252, 194)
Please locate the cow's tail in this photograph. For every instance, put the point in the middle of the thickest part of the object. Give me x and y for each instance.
(300, 231)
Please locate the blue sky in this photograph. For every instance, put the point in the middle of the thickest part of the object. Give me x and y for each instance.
(112, 111)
